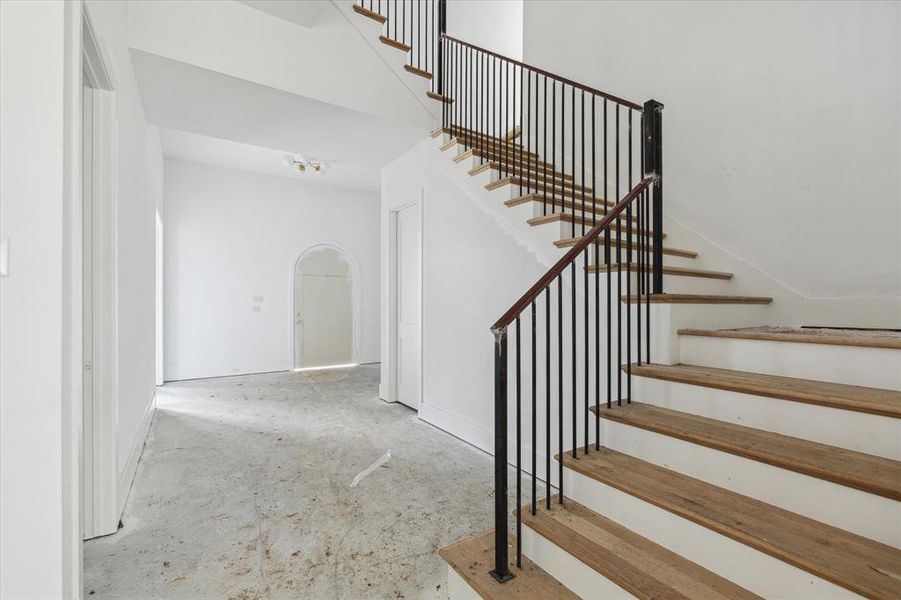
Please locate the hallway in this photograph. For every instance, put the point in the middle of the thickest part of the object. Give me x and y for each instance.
(243, 491)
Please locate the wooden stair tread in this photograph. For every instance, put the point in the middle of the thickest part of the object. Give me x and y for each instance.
(572, 206)
(503, 167)
(851, 561)
(549, 191)
(394, 43)
(589, 222)
(873, 474)
(473, 558)
(699, 299)
(370, 13)
(823, 393)
(636, 564)
(667, 270)
(548, 186)
(805, 335)
(439, 98)
(569, 242)
(490, 154)
(494, 150)
(418, 71)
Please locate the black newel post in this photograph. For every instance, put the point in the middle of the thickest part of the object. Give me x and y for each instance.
(442, 29)
(653, 161)
(501, 571)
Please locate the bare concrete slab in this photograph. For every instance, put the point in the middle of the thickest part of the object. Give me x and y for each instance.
(243, 491)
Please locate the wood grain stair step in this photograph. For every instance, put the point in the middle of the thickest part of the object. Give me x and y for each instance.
(490, 154)
(473, 558)
(560, 187)
(699, 299)
(570, 207)
(417, 71)
(873, 474)
(439, 97)
(509, 136)
(589, 223)
(805, 335)
(667, 270)
(508, 167)
(636, 564)
(836, 395)
(370, 13)
(569, 242)
(851, 561)
(394, 43)
(496, 150)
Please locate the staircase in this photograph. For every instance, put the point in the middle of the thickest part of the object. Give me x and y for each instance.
(661, 439)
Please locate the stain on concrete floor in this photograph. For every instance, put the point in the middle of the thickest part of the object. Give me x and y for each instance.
(243, 491)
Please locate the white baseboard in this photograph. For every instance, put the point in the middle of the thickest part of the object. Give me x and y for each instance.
(471, 433)
(126, 477)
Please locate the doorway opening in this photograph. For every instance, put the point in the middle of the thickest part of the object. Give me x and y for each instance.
(325, 319)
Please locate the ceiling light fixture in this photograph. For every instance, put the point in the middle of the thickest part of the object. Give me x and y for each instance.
(302, 165)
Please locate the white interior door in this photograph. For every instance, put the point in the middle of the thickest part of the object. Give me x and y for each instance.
(408, 318)
(323, 309)
(87, 216)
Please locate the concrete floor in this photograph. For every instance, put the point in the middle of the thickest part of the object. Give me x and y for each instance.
(243, 491)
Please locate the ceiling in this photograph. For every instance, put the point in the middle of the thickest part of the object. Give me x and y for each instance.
(264, 82)
(267, 161)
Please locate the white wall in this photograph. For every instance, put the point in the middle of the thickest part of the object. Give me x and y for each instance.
(472, 273)
(36, 523)
(781, 126)
(231, 235)
(495, 25)
(140, 194)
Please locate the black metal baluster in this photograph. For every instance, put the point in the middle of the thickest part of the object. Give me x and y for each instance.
(619, 278)
(547, 390)
(607, 265)
(585, 266)
(552, 158)
(572, 159)
(629, 272)
(518, 447)
(544, 150)
(534, 464)
(597, 292)
(573, 361)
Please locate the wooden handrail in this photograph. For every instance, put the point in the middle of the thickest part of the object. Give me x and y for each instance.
(570, 256)
(570, 82)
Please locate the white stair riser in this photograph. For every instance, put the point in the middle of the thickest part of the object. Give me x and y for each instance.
(669, 318)
(458, 589)
(838, 505)
(747, 567)
(862, 432)
(853, 365)
(568, 570)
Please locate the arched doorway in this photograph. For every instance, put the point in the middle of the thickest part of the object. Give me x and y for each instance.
(323, 308)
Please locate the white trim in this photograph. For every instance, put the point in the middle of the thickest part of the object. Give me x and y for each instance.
(126, 478)
(71, 338)
(101, 516)
(356, 297)
(467, 431)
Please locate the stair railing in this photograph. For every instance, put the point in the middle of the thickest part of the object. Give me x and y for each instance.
(418, 25)
(594, 162)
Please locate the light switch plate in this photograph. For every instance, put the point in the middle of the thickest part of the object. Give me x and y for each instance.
(4, 257)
